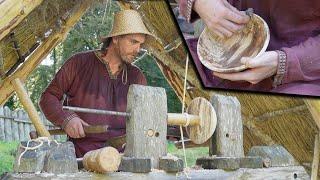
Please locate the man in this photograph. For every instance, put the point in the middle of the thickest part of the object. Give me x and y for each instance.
(291, 63)
(98, 80)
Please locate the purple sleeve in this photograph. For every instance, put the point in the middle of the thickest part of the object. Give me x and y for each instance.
(303, 61)
(50, 101)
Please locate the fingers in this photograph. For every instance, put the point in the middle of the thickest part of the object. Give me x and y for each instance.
(231, 26)
(81, 133)
(236, 18)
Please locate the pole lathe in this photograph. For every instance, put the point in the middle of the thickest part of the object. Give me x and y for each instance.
(200, 118)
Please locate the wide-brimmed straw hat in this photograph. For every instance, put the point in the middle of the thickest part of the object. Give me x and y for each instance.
(130, 22)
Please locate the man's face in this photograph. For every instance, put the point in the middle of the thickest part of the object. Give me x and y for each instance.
(129, 45)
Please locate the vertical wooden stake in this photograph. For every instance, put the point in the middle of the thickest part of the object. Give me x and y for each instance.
(29, 107)
(315, 161)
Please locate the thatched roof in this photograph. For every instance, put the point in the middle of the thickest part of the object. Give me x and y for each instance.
(267, 119)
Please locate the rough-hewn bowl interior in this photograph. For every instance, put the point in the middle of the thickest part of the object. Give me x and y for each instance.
(224, 54)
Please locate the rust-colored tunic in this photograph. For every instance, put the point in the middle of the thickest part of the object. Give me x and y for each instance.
(86, 82)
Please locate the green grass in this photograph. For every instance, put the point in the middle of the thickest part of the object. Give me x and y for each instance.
(7, 156)
(191, 153)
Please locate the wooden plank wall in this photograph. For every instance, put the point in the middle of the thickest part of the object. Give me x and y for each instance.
(16, 125)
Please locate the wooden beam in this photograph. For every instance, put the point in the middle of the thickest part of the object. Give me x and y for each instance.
(43, 50)
(315, 161)
(314, 108)
(29, 107)
(13, 12)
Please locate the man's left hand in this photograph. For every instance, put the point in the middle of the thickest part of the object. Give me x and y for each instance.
(259, 68)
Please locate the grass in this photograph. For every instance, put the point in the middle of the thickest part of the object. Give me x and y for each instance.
(7, 156)
(191, 153)
(8, 152)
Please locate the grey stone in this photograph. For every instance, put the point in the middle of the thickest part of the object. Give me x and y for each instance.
(273, 156)
(212, 162)
(251, 162)
(171, 164)
(31, 160)
(136, 165)
(61, 159)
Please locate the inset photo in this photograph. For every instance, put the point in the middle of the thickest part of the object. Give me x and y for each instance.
(269, 46)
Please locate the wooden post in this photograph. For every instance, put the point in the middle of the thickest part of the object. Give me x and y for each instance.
(15, 129)
(7, 124)
(22, 135)
(147, 125)
(315, 161)
(227, 140)
(2, 136)
(29, 107)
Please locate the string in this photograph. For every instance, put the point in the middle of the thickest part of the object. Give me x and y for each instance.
(182, 110)
(40, 140)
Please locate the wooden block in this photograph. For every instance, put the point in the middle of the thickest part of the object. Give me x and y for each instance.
(273, 156)
(2, 135)
(147, 126)
(171, 163)
(251, 162)
(212, 162)
(227, 140)
(136, 165)
(61, 159)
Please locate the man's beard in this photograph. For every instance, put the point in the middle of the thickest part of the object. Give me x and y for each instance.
(128, 60)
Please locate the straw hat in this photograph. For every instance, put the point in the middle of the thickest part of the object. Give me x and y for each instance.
(224, 54)
(129, 22)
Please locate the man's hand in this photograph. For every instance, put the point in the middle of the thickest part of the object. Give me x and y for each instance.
(74, 128)
(220, 17)
(259, 68)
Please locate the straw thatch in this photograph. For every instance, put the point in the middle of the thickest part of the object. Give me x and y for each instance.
(267, 119)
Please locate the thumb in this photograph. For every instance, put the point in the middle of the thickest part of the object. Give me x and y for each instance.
(249, 62)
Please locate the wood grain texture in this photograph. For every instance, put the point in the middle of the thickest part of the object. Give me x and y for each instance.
(147, 126)
(228, 139)
(208, 120)
(29, 107)
(224, 54)
(102, 160)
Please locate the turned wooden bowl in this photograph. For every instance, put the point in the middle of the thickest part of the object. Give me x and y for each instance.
(224, 54)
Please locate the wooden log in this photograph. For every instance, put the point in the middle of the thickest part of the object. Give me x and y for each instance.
(315, 161)
(29, 107)
(43, 50)
(7, 124)
(102, 160)
(147, 126)
(228, 138)
(2, 135)
(15, 127)
(314, 108)
(13, 12)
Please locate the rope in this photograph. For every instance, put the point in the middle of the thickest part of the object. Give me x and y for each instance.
(40, 140)
(187, 119)
(183, 101)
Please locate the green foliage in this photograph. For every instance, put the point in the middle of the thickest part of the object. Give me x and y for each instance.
(191, 153)
(155, 78)
(7, 156)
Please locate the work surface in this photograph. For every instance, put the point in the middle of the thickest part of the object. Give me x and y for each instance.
(291, 172)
